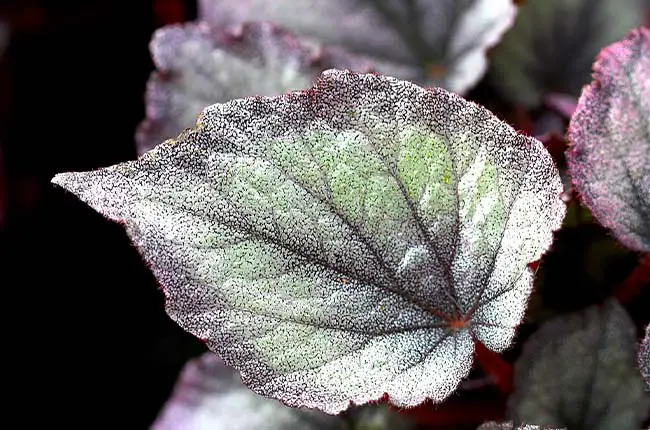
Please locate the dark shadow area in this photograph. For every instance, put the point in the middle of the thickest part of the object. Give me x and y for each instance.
(89, 344)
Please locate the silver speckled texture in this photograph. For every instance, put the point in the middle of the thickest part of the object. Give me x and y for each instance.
(342, 242)
(198, 65)
(644, 357)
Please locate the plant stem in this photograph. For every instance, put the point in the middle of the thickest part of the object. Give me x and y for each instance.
(495, 367)
(631, 286)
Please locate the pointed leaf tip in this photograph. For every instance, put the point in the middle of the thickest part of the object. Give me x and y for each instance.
(609, 154)
(341, 242)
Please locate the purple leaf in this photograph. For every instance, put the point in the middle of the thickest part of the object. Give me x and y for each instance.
(341, 242)
(552, 44)
(644, 357)
(609, 153)
(210, 396)
(199, 65)
(563, 104)
(441, 42)
(579, 371)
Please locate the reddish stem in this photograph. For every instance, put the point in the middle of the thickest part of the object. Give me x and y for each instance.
(495, 367)
(631, 286)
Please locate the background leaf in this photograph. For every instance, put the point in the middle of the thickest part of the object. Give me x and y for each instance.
(510, 426)
(343, 242)
(644, 357)
(440, 42)
(578, 371)
(4, 36)
(609, 155)
(199, 65)
(552, 44)
(210, 396)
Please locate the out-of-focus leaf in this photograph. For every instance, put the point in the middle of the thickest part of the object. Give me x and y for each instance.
(342, 242)
(378, 417)
(510, 426)
(210, 396)
(578, 371)
(644, 357)
(609, 152)
(441, 42)
(552, 45)
(199, 65)
(563, 104)
(4, 36)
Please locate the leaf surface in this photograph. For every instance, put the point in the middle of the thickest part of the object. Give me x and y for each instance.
(210, 396)
(510, 426)
(609, 153)
(644, 357)
(552, 44)
(579, 371)
(342, 242)
(440, 42)
(199, 65)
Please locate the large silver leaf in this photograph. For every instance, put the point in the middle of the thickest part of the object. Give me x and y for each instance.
(441, 42)
(342, 242)
(609, 153)
(199, 65)
(579, 371)
(552, 45)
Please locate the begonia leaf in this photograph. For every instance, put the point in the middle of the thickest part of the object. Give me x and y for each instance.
(199, 65)
(210, 396)
(342, 242)
(552, 44)
(609, 152)
(579, 371)
(440, 42)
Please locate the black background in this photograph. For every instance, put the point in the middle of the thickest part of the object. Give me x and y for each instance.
(87, 342)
